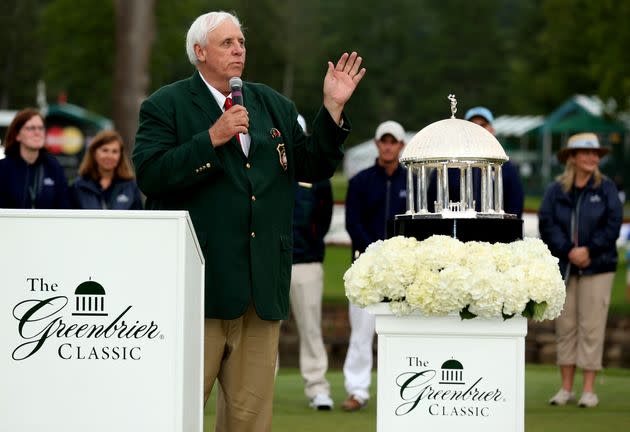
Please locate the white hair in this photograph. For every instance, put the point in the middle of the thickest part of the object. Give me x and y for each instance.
(204, 24)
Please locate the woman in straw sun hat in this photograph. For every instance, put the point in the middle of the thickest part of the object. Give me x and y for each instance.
(582, 141)
(579, 220)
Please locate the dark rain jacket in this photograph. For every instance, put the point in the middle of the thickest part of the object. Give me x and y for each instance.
(122, 195)
(373, 199)
(591, 219)
(41, 185)
(312, 214)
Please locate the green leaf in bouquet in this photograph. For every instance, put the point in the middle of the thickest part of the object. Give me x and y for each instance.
(534, 310)
(528, 312)
(506, 316)
(466, 314)
(539, 310)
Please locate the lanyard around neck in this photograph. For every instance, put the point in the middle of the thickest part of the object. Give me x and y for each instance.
(35, 188)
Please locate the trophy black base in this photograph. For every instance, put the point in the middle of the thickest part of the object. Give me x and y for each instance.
(491, 230)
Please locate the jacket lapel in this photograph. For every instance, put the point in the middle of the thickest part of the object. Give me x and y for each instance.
(202, 97)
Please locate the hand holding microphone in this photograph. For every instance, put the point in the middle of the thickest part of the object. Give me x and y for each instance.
(234, 120)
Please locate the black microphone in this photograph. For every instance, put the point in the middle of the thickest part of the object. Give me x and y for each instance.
(236, 86)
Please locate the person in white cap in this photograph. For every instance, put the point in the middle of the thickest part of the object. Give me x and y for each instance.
(579, 220)
(375, 195)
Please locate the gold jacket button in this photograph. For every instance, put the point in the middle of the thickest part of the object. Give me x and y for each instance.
(253, 234)
(247, 165)
(208, 165)
(253, 198)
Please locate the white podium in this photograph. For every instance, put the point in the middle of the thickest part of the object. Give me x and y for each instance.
(446, 374)
(101, 322)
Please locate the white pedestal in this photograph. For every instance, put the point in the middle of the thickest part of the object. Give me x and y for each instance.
(101, 322)
(445, 374)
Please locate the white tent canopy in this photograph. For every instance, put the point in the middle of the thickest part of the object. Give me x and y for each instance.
(506, 125)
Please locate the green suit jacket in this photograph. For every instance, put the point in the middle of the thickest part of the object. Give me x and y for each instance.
(241, 206)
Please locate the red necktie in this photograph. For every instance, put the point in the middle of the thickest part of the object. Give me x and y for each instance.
(227, 105)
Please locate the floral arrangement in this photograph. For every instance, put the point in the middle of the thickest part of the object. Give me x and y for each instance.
(442, 275)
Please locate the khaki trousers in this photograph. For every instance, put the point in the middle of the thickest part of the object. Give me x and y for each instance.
(581, 328)
(307, 288)
(241, 355)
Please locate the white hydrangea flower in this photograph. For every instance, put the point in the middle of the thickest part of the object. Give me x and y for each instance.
(442, 275)
(516, 295)
(453, 291)
(395, 266)
(400, 308)
(487, 287)
(360, 288)
(502, 256)
(383, 271)
(420, 294)
(439, 250)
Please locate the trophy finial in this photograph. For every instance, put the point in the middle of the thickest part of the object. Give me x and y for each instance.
(451, 97)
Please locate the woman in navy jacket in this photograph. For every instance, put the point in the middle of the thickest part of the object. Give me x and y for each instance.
(579, 220)
(106, 180)
(30, 177)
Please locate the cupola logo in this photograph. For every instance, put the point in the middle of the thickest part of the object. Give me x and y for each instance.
(89, 299)
(452, 372)
(445, 391)
(80, 325)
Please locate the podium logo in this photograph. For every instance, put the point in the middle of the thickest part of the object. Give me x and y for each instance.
(80, 327)
(89, 299)
(452, 372)
(444, 392)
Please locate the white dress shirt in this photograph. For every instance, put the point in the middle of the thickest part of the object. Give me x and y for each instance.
(218, 96)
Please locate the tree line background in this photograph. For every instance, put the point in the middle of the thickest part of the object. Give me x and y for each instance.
(514, 56)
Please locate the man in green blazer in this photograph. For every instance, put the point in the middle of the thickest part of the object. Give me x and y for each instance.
(234, 170)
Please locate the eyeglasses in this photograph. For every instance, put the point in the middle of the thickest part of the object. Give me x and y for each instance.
(34, 128)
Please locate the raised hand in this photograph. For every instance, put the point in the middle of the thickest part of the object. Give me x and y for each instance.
(233, 121)
(340, 82)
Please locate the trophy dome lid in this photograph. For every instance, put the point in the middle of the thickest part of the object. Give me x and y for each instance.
(453, 140)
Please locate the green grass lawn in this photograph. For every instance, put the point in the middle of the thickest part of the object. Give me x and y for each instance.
(291, 412)
(339, 184)
(336, 262)
(620, 296)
